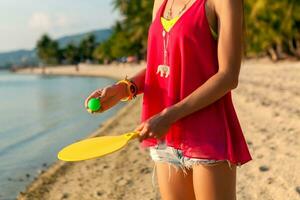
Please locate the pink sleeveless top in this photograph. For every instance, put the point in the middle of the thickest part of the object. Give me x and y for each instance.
(212, 132)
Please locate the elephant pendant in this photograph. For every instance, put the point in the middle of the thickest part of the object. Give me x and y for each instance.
(164, 70)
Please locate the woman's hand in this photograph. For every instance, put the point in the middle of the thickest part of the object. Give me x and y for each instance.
(108, 96)
(154, 127)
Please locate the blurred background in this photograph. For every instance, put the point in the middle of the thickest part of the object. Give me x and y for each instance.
(37, 33)
(100, 41)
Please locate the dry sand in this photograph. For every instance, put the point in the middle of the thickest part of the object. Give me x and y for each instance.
(267, 102)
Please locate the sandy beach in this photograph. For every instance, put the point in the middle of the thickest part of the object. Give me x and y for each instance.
(267, 101)
(114, 71)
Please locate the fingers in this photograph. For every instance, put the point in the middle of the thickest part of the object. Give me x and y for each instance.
(108, 96)
(143, 135)
(144, 132)
(103, 94)
(95, 94)
(139, 127)
(107, 103)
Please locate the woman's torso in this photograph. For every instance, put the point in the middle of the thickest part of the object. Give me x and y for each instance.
(212, 132)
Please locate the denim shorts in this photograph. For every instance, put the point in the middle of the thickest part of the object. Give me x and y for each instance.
(174, 157)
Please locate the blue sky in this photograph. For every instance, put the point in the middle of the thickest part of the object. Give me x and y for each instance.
(22, 22)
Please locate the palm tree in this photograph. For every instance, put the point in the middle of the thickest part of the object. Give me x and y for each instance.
(48, 50)
(71, 54)
(137, 15)
(87, 47)
(272, 26)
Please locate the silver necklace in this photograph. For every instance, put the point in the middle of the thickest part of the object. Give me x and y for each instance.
(164, 69)
(170, 12)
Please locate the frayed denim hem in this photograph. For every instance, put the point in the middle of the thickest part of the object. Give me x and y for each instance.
(188, 165)
(176, 166)
(175, 158)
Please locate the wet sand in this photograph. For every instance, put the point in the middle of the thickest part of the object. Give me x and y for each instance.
(267, 101)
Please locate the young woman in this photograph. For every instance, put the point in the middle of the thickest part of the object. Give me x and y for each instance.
(188, 119)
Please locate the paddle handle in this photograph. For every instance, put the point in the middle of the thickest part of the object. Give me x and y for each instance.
(132, 135)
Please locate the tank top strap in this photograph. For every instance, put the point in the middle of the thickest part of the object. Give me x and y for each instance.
(161, 8)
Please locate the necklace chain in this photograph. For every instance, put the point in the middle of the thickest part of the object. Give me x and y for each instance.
(170, 12)
(166, 34)
(166, 42)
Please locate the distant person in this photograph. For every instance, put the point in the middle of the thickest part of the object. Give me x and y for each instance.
(188, 120)
(43, 69)
(77, 67)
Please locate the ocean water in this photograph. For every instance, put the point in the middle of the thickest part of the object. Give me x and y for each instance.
(38, 116)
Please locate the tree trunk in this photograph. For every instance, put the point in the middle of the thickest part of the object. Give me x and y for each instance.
(297, 42)
(279, 51)
(273, 54)
(294, 47)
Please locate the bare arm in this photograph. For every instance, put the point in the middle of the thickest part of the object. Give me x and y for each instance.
(229, 56)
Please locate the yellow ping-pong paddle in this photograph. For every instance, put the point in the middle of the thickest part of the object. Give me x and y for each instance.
(95, 147)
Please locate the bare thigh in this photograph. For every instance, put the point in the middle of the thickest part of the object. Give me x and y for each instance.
(178, 187)
(216, 182)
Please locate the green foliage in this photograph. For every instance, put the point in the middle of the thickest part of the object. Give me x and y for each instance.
(48, 50)
(272, 26)
(87, 47)
(129, 34)
(71, 54)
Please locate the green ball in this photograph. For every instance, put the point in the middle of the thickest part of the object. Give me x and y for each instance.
(94, 104)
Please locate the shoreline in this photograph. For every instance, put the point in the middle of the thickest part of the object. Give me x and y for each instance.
(58, 168)
(265, 101)
(36, 188)
(85, 70)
